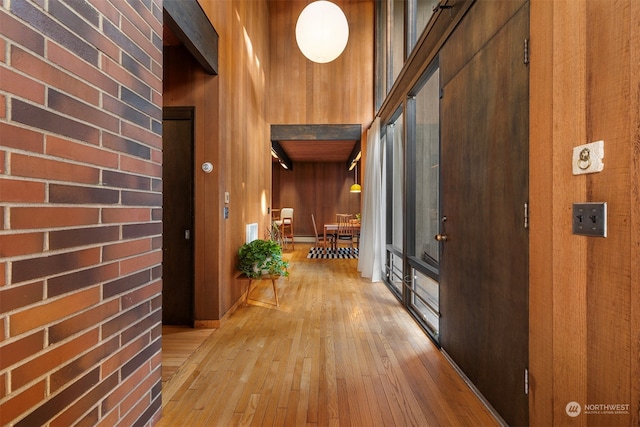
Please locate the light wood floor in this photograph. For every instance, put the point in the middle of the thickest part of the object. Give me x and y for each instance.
(338, 351)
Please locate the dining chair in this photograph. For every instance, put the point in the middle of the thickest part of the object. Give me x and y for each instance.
(345, 230)
(320, 236)
(285, 224)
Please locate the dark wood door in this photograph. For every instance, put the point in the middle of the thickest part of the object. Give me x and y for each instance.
(177, 210)
(484, 276)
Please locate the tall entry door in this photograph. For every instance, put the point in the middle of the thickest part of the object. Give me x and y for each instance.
(484, 166)
(178, 216)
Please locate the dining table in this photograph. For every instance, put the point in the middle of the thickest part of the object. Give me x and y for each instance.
(333, 226)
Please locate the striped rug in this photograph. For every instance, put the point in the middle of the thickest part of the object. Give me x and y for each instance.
(330, 253)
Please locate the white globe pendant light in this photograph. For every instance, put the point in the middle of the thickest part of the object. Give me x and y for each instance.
(322, 31)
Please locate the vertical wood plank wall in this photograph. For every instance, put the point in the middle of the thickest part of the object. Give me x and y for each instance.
(321, 189)
(232, 133)
(303, 92)
(584, 292)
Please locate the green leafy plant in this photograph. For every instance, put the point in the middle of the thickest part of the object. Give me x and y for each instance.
(261, 257)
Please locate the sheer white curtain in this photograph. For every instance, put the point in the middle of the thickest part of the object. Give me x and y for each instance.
(371, 254)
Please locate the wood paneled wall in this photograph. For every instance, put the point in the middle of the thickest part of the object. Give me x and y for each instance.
(584, 292)
(232, 133)
(263, 79)
(321, 189)
(303, 92)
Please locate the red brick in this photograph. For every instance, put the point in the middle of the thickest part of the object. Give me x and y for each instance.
(135, 413)
(109, 419)
(2, 321)
(65, 59)
(23, 139)
(137, 296)
(3, 269)
(121, 391)
(125, 354)
(90, 419)
(145, 136)
(39, 316)
(51, 121)
(20, 403)
(54, 170)
(66, 328)
(47, 410)
(42, 71)
(77, 280)
(21, 191)
(125, 249)
(123, 76)
(82, 237)
(141, 327)
(3, 51)
(52, 357)
(78, 408)
(156, 243)
(15, 297)
(156, 303)
(140, 263)
(15, 30)
(80, 195)
(124, 320)
(21, 244)
(120, 215)
(50, 217)
(3, 386)
(3, 155)
(141, 389)
(21, 86)
(156, 156)
(3, 106)
(77, 367)
(16, 351)
(80, 152)
(141, 35)
(106, 9)
(139, 198)
(69, 106)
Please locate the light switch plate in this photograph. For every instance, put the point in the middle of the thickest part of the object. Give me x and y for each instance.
(587, 158)
(590, 219)
(226, 197)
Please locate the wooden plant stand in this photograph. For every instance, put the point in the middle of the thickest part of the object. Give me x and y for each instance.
(273, 279)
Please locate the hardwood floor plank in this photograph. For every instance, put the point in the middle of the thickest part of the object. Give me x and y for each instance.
(337, 351)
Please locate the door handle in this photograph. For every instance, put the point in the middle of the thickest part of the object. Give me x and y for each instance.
(441, 237)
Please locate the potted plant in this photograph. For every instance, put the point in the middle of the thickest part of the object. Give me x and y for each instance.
(262, 257)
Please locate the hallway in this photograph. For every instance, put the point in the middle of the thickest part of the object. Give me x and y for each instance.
(339, 350)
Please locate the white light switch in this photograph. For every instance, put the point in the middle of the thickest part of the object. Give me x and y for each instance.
(587, 158)
(226, 197)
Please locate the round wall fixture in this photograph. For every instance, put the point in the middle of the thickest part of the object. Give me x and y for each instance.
(207, 167)
(322, 31)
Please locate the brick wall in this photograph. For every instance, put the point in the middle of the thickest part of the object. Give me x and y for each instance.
(80, 214)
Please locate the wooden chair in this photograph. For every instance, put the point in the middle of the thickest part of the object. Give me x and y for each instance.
(285, 224)
(320, 236)
(345, 230)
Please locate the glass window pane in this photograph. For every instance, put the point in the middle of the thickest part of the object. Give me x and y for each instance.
(398, 174)
(423, 14)
(381, 52)
(425, 300)
(397, 41)
(428, 169)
